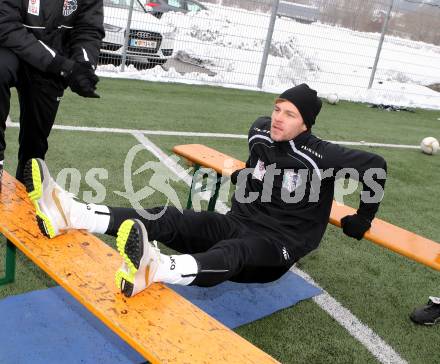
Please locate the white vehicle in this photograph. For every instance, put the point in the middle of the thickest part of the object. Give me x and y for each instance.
(306, 14)
(150, 42)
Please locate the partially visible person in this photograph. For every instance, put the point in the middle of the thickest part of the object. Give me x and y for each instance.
(428, 314)
(45, 46)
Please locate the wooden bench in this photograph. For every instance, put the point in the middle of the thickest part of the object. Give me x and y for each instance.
(158, 323)
(399, 240)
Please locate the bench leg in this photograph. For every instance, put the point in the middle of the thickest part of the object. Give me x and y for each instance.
(191, 188)
(214, 197)
(11, 252)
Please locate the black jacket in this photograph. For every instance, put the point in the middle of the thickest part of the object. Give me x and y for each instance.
(35, 30)
(308, 169)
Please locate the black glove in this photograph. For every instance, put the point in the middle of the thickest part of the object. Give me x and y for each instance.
(79, 76)
(355, 226)
(82, 80)
(61, 66)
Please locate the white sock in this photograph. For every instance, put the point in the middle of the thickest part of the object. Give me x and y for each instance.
(91, 217)
(176, 269)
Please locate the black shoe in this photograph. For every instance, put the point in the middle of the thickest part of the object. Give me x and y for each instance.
(428, 314)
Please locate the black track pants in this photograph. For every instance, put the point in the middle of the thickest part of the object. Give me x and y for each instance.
(39, 95)
(225, 248)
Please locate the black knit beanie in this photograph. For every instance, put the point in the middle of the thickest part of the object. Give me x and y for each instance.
(306, 101)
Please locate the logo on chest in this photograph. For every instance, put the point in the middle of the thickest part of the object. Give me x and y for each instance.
(291, 181)
(259, 170)
(34, 7)
(69, 7)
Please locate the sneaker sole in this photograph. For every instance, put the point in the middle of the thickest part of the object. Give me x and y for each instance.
(432, 323)
(33, 181)
(127, 243)
(425, 323)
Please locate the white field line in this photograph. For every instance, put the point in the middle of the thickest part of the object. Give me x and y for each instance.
(131, 131)
(195, 134)
(374, 344)
(367, 337)
(383, 145)
(174, 167)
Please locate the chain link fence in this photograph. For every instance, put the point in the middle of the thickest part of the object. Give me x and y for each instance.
(381, 51)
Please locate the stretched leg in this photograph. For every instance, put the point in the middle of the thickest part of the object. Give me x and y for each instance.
(186, 231)
(57, 210)
(253, 258)
(189, 232)
(250, 259)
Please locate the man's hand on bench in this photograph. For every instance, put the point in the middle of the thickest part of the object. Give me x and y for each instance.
(355, 226)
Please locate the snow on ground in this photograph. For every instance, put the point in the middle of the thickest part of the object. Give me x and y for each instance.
(230, 42)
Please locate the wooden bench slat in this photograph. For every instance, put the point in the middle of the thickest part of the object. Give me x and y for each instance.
(160, 324)
(399, 240)
(208, 157)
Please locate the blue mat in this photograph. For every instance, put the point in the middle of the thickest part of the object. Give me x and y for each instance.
(50, 326)
(236, 304)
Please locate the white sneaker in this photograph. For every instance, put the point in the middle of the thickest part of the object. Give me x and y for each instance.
(141, 258)
(52, 203)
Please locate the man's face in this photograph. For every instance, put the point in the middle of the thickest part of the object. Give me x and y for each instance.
(287, 122)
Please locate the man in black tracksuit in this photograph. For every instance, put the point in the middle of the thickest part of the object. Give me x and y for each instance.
(45, 46)
(279, 212)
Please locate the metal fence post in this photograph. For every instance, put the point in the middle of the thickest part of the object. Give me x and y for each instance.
(268, 42)
(379, 48)
(127, 34)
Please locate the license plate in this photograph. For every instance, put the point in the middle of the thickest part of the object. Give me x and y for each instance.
(141, 43)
